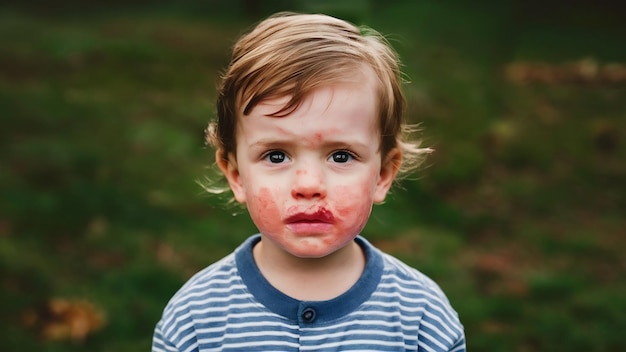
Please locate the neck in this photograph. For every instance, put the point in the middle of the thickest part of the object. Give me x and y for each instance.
(310, 279)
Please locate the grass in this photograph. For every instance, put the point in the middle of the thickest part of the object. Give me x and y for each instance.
(518, 214)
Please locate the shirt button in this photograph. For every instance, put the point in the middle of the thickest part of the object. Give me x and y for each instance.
(308, 315)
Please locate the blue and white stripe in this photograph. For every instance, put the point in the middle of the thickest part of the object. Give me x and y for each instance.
(229, 306)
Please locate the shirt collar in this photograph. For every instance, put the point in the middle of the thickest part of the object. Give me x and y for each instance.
(291, 308)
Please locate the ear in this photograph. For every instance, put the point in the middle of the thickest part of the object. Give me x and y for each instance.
(388, 171)
(231, 172)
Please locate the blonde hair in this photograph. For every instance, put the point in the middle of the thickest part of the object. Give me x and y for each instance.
(289, 55)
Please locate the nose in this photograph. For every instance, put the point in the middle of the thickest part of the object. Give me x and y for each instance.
(308, 184)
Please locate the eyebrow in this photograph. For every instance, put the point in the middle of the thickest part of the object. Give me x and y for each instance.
(331, 144)
(265, 143)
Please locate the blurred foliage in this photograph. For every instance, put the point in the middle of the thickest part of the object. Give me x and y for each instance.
(519, 214)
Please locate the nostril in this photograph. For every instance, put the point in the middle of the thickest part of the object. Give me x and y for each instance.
(307, 195)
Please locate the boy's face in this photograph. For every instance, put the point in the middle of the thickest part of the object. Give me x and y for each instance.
(309, 179)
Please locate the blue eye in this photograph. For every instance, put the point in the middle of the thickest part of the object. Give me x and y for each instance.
(341, 156)
(276, 157)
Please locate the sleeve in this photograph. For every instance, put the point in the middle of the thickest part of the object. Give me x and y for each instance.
(459, 346)
(440, 328)
(160, 343)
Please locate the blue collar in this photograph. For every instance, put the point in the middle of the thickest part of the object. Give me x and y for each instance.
(291, 308)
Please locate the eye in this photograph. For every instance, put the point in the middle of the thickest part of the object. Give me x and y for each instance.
(341, 156)
(276, 157)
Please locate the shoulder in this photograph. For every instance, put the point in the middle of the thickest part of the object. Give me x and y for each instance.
(402, 277)
(219, 276)
(420, 298)
(413, 284)
(410, 278)
(199, 293)
(202, 296)
(215, 286)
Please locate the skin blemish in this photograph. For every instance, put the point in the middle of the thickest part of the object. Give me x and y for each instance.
(318, 137)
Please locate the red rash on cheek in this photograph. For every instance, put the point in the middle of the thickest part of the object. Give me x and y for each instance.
(263, 210)
(263, 198)
(344, 193)
(353, 203)
(350, 201)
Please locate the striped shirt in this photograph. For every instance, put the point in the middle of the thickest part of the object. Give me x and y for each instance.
(230, 306)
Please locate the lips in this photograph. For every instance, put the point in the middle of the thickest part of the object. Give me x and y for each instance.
(322, 215)
(317, 222)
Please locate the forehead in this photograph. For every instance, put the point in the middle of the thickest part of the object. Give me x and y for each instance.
(357, 78)
(329, 111)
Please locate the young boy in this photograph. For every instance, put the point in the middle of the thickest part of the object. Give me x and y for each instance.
(309, 134)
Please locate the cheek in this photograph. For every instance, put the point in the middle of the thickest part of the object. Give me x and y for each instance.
(354, 202)
(263, 209)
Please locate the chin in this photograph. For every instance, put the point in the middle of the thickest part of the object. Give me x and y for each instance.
(313, 249)
(309, 255)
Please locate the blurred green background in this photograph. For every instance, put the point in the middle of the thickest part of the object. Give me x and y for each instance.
(519, 214)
